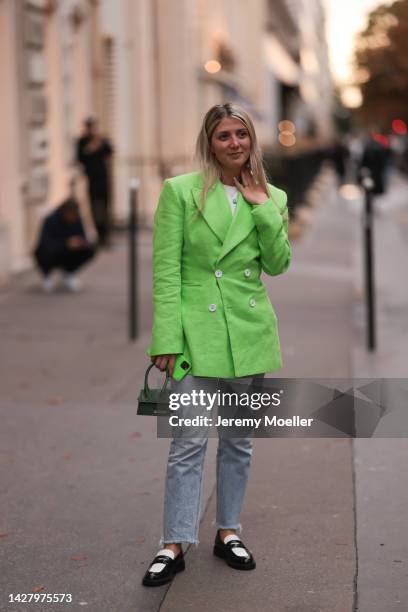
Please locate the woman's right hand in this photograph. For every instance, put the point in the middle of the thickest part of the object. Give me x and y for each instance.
(161, 361)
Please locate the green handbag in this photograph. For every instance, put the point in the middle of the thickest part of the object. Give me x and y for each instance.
(153, 402)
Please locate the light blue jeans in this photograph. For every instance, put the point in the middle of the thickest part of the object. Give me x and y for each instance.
(183, 486)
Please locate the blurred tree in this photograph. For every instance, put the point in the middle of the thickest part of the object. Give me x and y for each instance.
(381, 61)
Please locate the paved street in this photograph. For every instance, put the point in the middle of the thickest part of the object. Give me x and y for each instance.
(82, 476)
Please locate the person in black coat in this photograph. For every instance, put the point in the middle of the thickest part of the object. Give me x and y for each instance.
(339, 155)
(93, 153)
(377, 157)
(63, 245)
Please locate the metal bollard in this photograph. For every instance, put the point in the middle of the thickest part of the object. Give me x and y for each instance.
(368, 185)
(133, 261)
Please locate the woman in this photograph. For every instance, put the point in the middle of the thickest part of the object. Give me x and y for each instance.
(214, 232)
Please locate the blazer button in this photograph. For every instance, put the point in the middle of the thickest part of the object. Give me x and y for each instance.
(218, 273)
(252, 303)
(247, 272)
(212, 307)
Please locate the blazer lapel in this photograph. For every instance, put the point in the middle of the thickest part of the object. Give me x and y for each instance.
(217, 212)
(242, 224)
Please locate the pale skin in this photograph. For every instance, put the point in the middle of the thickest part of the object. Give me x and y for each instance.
(96, 140)
(230, 144)
(76, 242)
(94, 144)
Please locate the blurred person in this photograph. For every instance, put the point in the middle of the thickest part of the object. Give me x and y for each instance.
(397, 148)
(377, 158)
(339, 155)
(215, 231)
(63, 245)
(93, 153)
(355, 147)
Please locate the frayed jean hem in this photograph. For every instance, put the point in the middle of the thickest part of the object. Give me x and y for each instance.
(179, 540)
(237, 527)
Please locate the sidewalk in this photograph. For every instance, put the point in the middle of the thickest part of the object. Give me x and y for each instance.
(380, 464)
(82, 477)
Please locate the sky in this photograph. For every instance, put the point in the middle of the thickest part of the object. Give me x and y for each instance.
(344, 19)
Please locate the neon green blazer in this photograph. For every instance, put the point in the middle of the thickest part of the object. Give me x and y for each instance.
(209, 301)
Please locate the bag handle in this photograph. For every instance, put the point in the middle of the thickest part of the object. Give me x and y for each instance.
(146, 381)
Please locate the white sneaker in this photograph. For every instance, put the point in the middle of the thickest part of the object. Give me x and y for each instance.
(48, 284)
(72, 283)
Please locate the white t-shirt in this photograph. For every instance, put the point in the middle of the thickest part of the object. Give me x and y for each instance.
(232, 193)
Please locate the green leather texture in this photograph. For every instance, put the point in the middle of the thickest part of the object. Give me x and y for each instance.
(153, 402)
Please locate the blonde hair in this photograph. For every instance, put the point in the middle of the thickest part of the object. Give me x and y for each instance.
(209, 165)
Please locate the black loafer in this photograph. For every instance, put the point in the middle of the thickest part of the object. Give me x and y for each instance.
(162, 575)
(233, 559)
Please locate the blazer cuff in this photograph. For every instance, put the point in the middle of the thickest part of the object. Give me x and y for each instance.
(158, 348)
(267, 215)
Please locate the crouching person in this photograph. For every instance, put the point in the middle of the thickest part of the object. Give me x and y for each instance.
(63, 245)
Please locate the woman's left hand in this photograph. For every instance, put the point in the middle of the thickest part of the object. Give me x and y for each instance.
(253, 193)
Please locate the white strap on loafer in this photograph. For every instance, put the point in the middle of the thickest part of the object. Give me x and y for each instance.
(156, 568)
(237, 550)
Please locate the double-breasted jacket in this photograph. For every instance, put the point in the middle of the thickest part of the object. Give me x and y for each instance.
(209, 300)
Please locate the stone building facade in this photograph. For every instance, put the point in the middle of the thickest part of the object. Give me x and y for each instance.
(148, 69)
